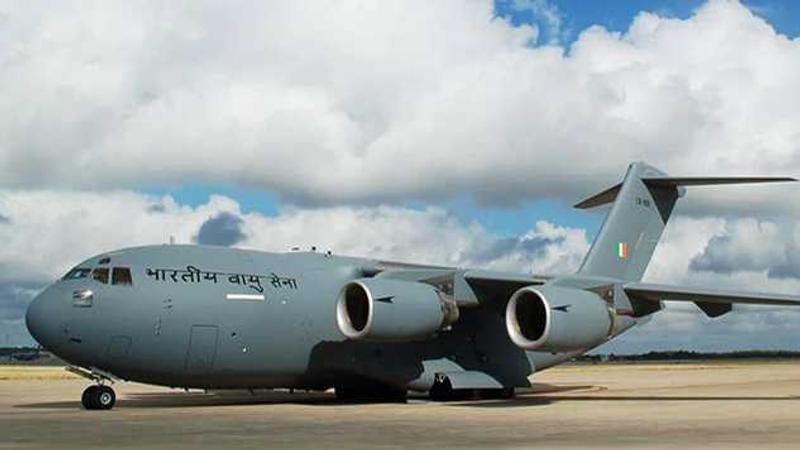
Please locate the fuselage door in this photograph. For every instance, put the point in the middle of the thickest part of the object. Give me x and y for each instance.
(202, 349)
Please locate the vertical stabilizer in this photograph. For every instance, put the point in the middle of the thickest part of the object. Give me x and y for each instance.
(634, 224)
(641, 207)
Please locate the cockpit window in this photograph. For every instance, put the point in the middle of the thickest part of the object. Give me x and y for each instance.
(101, 275)
(77, 273)
(121, 275)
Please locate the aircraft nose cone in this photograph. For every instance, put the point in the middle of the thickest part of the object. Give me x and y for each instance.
(36, 318)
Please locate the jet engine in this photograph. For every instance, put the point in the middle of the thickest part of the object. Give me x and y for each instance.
(558, 319)
(378, 309)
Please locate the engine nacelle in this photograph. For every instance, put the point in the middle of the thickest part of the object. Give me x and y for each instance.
(558, 319)
(378, 309)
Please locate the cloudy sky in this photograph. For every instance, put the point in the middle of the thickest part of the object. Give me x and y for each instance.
(451, 132)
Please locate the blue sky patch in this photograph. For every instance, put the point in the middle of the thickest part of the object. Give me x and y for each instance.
(616, 15)
(250, 199)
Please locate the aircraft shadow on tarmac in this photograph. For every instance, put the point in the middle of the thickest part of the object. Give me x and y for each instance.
(540, 395)
(200, 399)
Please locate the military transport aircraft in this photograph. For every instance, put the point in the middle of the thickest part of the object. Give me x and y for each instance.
(224, 318)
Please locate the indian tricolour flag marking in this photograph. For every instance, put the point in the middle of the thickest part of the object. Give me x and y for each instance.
(622, 250)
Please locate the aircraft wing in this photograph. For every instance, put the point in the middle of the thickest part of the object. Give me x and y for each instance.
(467, 286)
(492, 277)
(712, 301)
(498, 286)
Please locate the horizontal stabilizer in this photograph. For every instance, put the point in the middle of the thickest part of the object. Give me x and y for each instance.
(607, 196)
(610, 194)
(710, 181)
(705, 297)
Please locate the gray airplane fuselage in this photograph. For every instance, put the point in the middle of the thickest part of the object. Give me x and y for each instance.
(213, 317)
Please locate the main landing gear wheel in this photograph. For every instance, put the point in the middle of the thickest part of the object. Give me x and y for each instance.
(442, 391)
(374, 394)
(98, 397)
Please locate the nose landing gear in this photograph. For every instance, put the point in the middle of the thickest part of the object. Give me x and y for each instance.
(98, 397)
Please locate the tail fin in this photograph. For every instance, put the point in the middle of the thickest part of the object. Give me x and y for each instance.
(642, 205)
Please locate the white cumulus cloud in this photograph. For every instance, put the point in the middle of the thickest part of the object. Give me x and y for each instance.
(348, 101)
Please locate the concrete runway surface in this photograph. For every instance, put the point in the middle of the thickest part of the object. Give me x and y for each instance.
(677, 406)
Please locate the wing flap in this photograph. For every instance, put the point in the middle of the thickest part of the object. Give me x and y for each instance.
(714, 309)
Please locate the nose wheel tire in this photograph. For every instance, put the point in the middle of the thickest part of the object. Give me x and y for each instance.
(98, 397)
